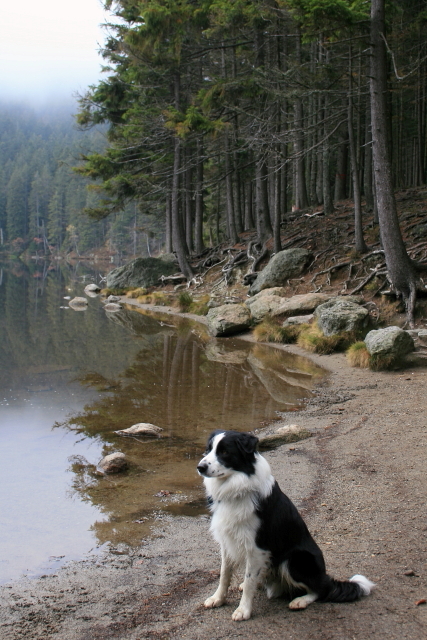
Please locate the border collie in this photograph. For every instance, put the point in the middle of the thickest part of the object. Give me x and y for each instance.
(256, 524)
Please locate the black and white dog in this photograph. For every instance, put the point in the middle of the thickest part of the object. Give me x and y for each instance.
(257, 525)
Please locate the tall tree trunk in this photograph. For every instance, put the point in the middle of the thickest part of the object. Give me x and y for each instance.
(198, 229)
(168, 245)
(178, 239)
(342, 163)
(367, 174)
(400, 268)
(263, 222)
(359, 241)
(231, 219)
(301, 199)
(189, 223)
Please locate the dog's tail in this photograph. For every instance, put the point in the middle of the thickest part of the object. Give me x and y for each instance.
(348, 591)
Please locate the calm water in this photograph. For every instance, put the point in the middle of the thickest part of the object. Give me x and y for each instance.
(69, 380)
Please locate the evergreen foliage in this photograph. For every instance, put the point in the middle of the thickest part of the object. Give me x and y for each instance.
(42, 199)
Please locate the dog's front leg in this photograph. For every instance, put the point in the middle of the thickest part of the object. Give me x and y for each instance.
(256, 565)
(220, 594)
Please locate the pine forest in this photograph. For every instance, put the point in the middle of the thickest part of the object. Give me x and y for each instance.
(216, 118)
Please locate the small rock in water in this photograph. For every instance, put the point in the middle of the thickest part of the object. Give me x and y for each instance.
(140, 429)
(113, 463)
(112, 306)
(93, 288)
(78, 304)
(113, 298)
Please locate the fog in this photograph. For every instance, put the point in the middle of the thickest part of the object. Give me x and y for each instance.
(49, 50)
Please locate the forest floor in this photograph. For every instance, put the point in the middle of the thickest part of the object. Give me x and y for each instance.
(360, 484)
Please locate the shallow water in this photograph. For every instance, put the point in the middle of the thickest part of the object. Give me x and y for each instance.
(69, 380)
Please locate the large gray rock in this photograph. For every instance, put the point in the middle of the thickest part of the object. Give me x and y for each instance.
(228, 319)
(286, 264)
(340, 314)
(390, 342)
(265, 302)
(141, 272)
(293, 320)
(303, 303)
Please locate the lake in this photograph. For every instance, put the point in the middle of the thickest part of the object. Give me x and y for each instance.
(70, 379)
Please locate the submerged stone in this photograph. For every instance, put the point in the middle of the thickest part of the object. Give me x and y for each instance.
(140, 429)
(113, 463)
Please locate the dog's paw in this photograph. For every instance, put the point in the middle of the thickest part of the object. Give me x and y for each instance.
(213, 602)
(241, 613)
(298, 603)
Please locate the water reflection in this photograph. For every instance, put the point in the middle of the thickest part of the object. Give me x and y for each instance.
(93, 373)
(188, 384)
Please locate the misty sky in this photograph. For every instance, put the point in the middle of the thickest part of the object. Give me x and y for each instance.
(49, 48)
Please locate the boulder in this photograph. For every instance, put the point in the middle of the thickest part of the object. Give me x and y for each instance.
(307, 319)
(340, 314)
(92, 288)
(303, 303)
(263, 305)
(286, 264)
(113, 463)
(391, 342)
(78, 304)
(113, 299)
(140, 429)
(228, 319)
(283, 435)
(141, 272)
(112, 306)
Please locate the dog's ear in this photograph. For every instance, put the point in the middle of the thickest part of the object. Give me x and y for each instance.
(247, 442)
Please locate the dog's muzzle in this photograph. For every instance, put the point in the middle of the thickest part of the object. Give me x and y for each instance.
(202, 468)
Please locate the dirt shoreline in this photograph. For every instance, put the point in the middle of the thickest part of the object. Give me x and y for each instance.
(360, 483)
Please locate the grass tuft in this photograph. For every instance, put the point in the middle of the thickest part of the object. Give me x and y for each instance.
(185, 300)
(358, 355)
(313, 339)
(270, 331)
(136, 293)
(113, 292)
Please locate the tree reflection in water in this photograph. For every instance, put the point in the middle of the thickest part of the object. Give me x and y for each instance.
(188, 384)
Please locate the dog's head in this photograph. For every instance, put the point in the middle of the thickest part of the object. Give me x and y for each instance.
(227, 452)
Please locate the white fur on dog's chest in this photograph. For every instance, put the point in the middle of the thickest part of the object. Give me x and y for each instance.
(234, 525)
